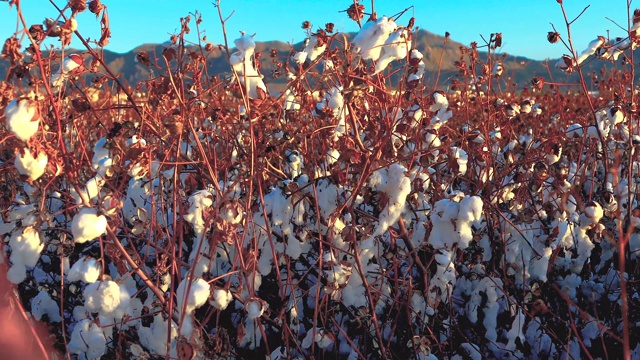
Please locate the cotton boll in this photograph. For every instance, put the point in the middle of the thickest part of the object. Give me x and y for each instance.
(393, 182)
(311, 51)
(516, 331)
(26, 246)
(23, 118)
(17, 273)
(154, 338)
(221, 298)
(86, 269)
(102, 297)
(88, 225)
(394, 48)
(87, 337)
(440, 102)
(255, 308)
(242, 64)
(591, 49)
(373, 34)
(26, 164)
(575, 131)
(42, 304)
(592, 214)
(199, 291)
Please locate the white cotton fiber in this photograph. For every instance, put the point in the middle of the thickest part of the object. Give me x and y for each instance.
(87, 337)
(23, 118)
(102, 297)
(34, 167)
(199, 291)
(88, 225)
(86, 269)
(393, 182)
(43, 304)
(369, 40)
(220, 298)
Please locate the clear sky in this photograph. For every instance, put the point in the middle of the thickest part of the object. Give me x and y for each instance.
(524, 24)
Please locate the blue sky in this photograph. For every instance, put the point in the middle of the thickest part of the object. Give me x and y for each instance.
(524, 24)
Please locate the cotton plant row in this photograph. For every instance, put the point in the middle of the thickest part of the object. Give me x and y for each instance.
(379, 224)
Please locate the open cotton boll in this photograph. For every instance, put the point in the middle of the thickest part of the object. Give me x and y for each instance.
(373, 34)
(394, 48)
(86, 269)
(88, 225)
(439, 102)
(393, 182)
(87, 337)
(320, 337)
(591, 49)
(220, 299)
(443, 234)
(592, 214)
(26, 164)
(43, 304)
(462, 158)
(26, 246)
(102, 297)
(516, 331)
(255, 307)
(23, 118)
(242, 64)
(198, 203)
(199, 291)
(154, 338)
(469, 214)
(310, 52)
(101, 161)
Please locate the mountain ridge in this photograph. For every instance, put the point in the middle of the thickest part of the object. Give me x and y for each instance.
(436, 49)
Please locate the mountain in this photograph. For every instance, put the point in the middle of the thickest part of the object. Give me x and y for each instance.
(435, 48)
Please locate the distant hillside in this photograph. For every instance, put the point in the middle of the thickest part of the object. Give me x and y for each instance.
(520, 69)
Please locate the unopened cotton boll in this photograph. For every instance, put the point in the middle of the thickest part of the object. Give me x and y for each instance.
(87, 225)
(26, 164)
(23, 118)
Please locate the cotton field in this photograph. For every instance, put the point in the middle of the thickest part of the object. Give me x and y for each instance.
(363, 212)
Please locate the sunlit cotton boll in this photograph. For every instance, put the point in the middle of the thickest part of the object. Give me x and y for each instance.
(373, 34)
(86, 269)
(220, 299)
(199, 291)
(87, 225)
(26, 164)
(23, 118)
